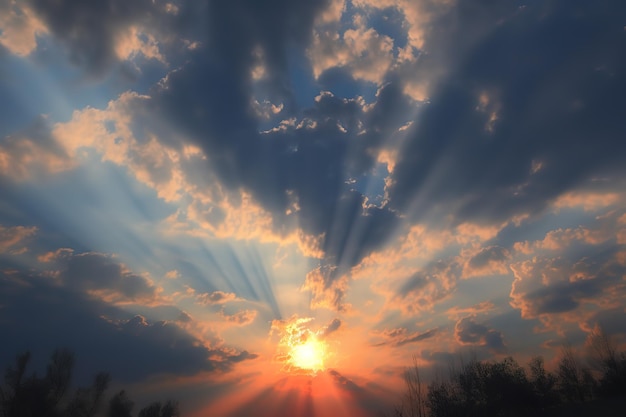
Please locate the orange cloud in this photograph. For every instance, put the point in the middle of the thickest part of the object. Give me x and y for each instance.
(588, 200)
(19, 28)
(13, 236)
(216, 297)
(240, 318)
(327, 290)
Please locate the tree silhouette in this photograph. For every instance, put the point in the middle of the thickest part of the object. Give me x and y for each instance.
(33, 396)
(483, 389)
(609, 362)
(170, 409)
(120, 405)
(575, 381)
(504, 388)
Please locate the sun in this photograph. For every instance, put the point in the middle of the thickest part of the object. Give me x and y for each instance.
(309, 355)
(300, 349)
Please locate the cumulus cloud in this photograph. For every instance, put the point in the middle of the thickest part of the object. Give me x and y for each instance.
(603, 229)
(365, 53)
(571, 269)
(19, 27)
(326, 289)
(468, 332)
(554, 285)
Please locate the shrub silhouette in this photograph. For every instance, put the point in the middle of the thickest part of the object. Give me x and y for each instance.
(46, 396)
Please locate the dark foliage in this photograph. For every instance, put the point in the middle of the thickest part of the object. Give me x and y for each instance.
(504, 388)
(47, 396)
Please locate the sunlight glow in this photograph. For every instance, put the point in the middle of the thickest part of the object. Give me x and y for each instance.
(309, 355)
(302, 351)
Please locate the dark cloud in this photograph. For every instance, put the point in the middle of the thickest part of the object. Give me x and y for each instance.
(417, 337)
(551, 285)
(209, 99)
(160, 313)
(331, 327)
(488, 261)
(90, 30)
(487, 255)
(346, 383)
(216, 297)
(400, 336)
(531, 110)
(468, 332)
(434, 282)
(39, 317)
(611, 321)
(95, 271)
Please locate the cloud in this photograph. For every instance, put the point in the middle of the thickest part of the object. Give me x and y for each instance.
(589, 200)
(489, 260)
(430, 284)
(12, 236)
(110, 132)
(557, 285)
(308, 164)
(19, 28)
(32, 154)
(240, 318)
(604, 229)
(327, 290)
(216, 297)
(553, 285)
(365, 53)
(468, 332)
(482, 307)
(570, 269)
(452, 160)
(331, 327)
(99, 35)
(94, 271)
(100, 275)
(41, 316)
(400, 336)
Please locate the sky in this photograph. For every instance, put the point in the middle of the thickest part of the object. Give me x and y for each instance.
(274, 207)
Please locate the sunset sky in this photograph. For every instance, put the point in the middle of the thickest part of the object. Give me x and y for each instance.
(273, 207)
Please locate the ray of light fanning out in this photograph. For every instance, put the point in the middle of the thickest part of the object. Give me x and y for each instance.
(274, 208)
